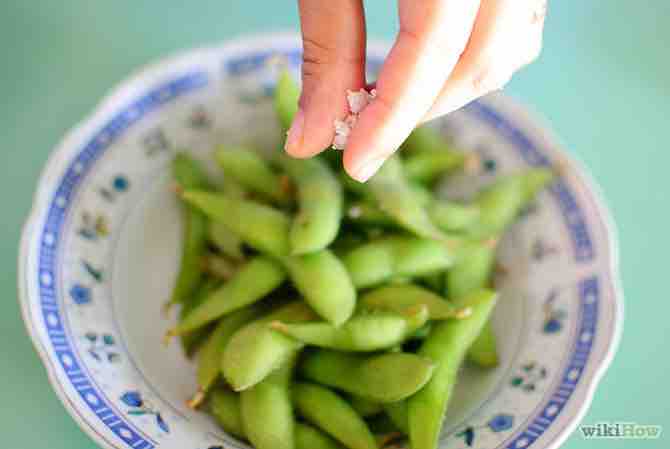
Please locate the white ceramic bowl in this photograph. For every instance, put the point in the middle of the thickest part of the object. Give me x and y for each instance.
(100, 252)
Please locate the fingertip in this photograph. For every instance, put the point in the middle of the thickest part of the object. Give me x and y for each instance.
(362, 167)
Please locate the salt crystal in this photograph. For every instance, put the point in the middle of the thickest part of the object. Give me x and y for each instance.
(357, 101)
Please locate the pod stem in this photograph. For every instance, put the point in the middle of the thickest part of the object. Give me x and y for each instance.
(197, 399)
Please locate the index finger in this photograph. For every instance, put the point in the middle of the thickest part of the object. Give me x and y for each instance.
(433, 34)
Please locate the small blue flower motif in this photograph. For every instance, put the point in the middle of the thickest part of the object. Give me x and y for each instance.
(501, 422)
(132, 399)
(80, 294)
(161, 423)
(121, 183)
(552, 326)
(138, 407)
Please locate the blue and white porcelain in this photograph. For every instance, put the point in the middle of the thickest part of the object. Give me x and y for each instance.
(100, 252)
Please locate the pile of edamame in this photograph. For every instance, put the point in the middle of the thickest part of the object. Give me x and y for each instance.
(324, 313)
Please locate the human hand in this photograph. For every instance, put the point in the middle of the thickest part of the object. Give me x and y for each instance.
(447, 53)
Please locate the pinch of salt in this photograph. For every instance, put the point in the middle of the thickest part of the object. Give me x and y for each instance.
(342, 127)
(339, 142)
(357, 100)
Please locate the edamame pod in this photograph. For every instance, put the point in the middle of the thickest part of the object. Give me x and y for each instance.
(446, 346)
(401, 296)
(252, 172)
(267, 411)
(333, 415)
(395, 197)
(364, 213)
(211, 354)
(325, 284)
(251, 283)
(262, 227)
(453, 217)
(189, 175)
(502, 202)
(255, 351)
(195, 242)
(397, 411)
(484, 350)
(379, 261)
(307, 437)
(384, 378)
(367, 333)
(225, 240)
(470, 274)
(422, 195)
(320, 201)
(287, 94)
(425, 139)
(225, 406)
(427, 166)
(191, 341)
(364, 406)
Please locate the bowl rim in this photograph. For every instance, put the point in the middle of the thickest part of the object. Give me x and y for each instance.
(63, 151)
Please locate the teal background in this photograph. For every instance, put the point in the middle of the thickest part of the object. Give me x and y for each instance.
(603, 82)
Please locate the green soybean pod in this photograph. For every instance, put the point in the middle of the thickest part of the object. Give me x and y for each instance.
(395, 197)
(320, 200)
(267, 410)
(422, 195)
(256, 350)
(364, 333)
(287, 94)
(365, 213)
(225, 406)
(446, 346)
(189, 175)
(262, 227)
(501, 203)
(397, 412)
(192, 341)
(225, 241)
(397, 256)
(251, 283)
(325, 284)
(307, 437)
(389, 377)
(470, 274)
(252, 172)
(424, 139)
(427, 166)
(364, 406)
(332, 414)
(211, 354)
(453, 217)
(401, 296)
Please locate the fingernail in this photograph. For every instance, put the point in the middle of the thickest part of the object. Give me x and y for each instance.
(294, 135)
(366, 170)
